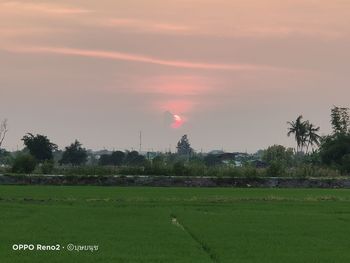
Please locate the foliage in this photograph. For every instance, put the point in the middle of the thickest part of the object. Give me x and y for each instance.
(39, 146)
(180, 169)
(276, 169)
(24, 163)
(47, 167)
(335, 150)
(212, 160)
(278, 153)
(104, 160)
(184, 146)
(3, 131)
(117, 158)
(298, 128)
(88, 170)
(340, 120)
(5, 157)
(74, 154)
(133, 158)
(312, 136)
(305, 133)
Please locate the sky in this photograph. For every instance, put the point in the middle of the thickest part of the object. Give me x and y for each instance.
(228, 73)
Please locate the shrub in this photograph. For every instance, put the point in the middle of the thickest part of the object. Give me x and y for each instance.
(346, 163)
(86, 170)
(276, 169)
(131, 170)
(180, 169)
(309, 170)
(250, 172)
(24, 164)
(197, 169)
(278, 154)
(304, 171)
(335, 150)
(47, 167)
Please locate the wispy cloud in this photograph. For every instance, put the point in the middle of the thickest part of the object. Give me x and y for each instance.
(147, 26)
(121, 56)
(177, 85)
(282, 32)
(14, 32)
(17, 6)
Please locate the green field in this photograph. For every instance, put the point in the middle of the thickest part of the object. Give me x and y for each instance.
(175, 224)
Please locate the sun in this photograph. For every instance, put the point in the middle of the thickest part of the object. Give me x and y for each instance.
(177, 121)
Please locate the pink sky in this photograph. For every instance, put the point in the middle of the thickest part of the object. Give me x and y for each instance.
(234, 71)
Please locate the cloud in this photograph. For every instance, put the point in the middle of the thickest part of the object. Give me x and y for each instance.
(19, 7)
(121, 56)
(270, 31)
(176, 106)
(14, 32)
(147, 26)
(177, 85)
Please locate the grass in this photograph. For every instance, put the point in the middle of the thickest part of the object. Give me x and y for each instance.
(176, 224)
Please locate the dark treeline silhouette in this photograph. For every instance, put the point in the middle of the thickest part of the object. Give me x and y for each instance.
(314, 155)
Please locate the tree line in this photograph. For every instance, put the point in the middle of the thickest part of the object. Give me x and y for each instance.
(332, 151)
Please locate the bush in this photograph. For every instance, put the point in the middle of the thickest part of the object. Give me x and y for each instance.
(276, 169)
(86, 170)
(304, 171)
(309, 170)
(196, 169)
(47, 167)
(24, 164)
(250, 172)
(131, 170)
(335, 151)
(180, 169)
(278, 154)
(345, 167)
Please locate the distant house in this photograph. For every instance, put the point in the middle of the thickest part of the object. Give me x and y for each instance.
(238, 164)
(151, 155)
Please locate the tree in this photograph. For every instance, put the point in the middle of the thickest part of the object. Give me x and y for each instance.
(312, 135)
(278, 153)
(134, 158)
(278, 158)
(3, 131)
(335, 150)
(24, 163)
(105, 159)
(39, 146)
(74, 154)
(5, 157)
(298, 128)
(184, 146)
(305, 133)
(117, 158)
(340, 120)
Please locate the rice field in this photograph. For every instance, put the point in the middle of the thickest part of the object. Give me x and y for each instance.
(140, 224)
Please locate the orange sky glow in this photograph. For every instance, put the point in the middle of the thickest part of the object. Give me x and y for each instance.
(230, 73)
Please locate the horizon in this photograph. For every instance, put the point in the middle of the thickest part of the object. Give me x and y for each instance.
(229, 75)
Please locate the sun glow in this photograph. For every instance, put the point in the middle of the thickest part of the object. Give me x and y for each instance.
(177, 122)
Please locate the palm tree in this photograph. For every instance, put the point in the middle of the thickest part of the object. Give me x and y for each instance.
(298, 128)
(312, 135)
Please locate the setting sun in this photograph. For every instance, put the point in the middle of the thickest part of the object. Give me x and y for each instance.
(178, 122)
